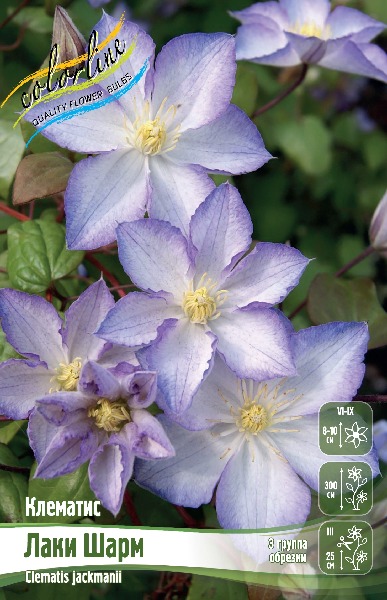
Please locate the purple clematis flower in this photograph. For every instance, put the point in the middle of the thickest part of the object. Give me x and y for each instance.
(55, 351)
(156, 143)
(105, 421)
(259, 440)
(291, 32)
(201, 295)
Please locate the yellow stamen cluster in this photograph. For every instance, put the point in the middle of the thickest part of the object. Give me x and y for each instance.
(110, 416)
(199, 305)
(152, 136)
(253, 418)
(311, 29)
(67, 376)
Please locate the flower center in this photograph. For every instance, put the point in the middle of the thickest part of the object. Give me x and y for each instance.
(199, 305)
(110, 416)
(253, 418)
(153, 136)
(310, 29)
(67, 376)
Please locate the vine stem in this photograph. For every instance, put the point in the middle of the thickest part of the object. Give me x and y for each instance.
(131, 509)
(14, 13)
(109, 276)
(13, 213)
(352, 263)
(284, 94)
(374, 398)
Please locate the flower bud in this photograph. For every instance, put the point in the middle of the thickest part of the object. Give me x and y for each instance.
(71, 42)
(378, 227)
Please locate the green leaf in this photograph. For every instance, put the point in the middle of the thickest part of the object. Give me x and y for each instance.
(375, 150)
(246, 89)
(74, 486)
(37, 255)
(209, 588)
(12, 145)
(7, 457)
(307, 142)
(13, 491)
(41, 175)
(35, 19)
(8, 430)
(6, 350)
(332, 299)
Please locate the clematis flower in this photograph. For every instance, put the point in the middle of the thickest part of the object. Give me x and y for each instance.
(378, 227)
(54, 350)
(105, 421)
(156, 143)
(380, 438)
(199, 298)
(259, 440)
(291, 32)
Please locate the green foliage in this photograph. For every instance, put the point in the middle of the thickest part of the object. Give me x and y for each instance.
(37, 255)
(74, 486)
(348, 301)
(208, 588)
(13, 490)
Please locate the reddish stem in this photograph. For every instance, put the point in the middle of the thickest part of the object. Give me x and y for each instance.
(283, 94)
(374, 398)
(131, 509)
(13, 213)
(109, 276)
(2, 418)
(14, 469)
(188, 520)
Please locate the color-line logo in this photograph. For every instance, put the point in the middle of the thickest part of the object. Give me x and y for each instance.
(95, 65)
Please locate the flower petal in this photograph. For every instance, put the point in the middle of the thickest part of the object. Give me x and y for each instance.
(69, 449)
(344, 21)
(306, 11)
(268, 10)
(182, 356)
(155, 256)
(182, 478)
(301, 449)
(255, 343)
(361, 59)
(110, 469)
(265, 43)
(267, 274)
(152, 441)
(103, 191)
(221, 232)
(135, 319)
(259, 490)
(203, 67)
(64, 408)
(177, 191)
(115, 354)
(98, 130)
(40, 434)
(211, 403)
(144, 49)
(21, 383)
(32, 326)
(141, 388)
(230, 144)
(83, 318)
(329, 362)
(99, 381)
(310, 49)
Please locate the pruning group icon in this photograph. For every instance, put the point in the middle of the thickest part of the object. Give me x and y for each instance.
(345, 429)
(345, 488)
(345, 548)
